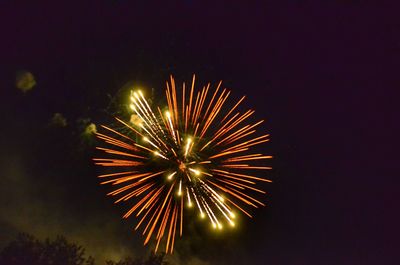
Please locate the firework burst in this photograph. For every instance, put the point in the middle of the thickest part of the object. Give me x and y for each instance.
(196, 153)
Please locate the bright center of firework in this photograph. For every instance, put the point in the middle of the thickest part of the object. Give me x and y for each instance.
(182, 166)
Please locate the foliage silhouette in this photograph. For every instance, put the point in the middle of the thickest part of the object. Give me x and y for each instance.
(27, 250)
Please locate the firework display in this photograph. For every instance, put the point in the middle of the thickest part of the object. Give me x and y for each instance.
(197, 154)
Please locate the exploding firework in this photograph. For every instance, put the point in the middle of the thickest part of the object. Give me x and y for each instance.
(196, 154)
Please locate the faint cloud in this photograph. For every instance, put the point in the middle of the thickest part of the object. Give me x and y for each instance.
(58, 120)
(25, 81)
(90, 129)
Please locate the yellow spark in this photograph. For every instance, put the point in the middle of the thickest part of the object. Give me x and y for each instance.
(188, 142)
(171, 175)
(180, 188)
(188, 197)
(195, 171)
(160, 155)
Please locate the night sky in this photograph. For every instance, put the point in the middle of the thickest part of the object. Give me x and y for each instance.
(323, 76)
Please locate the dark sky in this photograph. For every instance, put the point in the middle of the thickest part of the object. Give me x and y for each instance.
(324, 76)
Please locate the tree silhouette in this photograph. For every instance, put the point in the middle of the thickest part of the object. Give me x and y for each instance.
(27, 250)
(152, 260)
